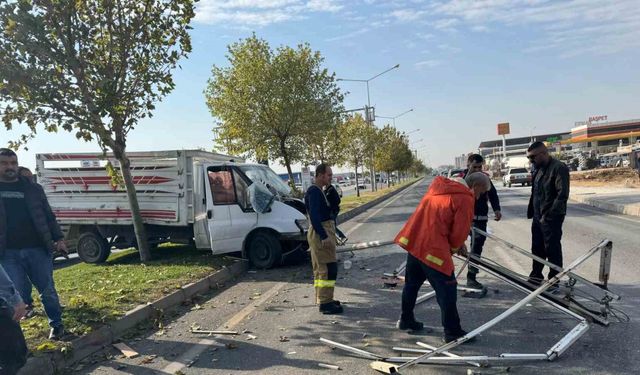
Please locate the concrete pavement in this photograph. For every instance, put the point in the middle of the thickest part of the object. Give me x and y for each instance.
(276, 307)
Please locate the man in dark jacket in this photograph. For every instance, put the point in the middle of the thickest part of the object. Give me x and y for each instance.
(480, 216)
(322, 242)
(547, 208)
(29, 234)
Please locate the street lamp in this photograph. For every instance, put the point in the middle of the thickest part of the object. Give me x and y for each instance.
(396, 116)
(418, 141)
(368, 115)
(367, 82)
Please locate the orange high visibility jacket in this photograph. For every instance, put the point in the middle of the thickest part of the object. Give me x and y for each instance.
(441, 222)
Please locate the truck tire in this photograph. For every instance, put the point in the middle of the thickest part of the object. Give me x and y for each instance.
(93, 248)
(265, 251)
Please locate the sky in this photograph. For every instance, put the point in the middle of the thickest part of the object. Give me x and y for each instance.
(465, 65)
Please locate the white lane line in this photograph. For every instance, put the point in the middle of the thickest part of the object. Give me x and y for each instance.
(380, 209)
(205, 344)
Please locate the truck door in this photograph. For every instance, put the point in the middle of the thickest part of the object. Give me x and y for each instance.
(228, 216)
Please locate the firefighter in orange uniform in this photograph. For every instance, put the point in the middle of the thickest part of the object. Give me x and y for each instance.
(437, 229)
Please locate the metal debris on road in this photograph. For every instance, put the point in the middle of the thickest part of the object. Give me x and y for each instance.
(251, 337)
(330, 367)
(284, 339)
(212, 332)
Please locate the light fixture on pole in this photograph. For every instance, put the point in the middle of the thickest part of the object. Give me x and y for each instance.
(372, 118)
(369, 116)
(393, 118)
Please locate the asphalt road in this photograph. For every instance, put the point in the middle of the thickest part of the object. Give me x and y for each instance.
(276, 308)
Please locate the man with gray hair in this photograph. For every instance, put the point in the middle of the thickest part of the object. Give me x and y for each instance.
(437, 229)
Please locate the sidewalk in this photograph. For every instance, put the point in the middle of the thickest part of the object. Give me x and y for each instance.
(617, 199)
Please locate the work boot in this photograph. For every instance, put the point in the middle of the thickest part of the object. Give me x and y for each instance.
(472, 282)
(336, 302)
(330, 308)
(56, 333)
(448, 338)
(409, 325)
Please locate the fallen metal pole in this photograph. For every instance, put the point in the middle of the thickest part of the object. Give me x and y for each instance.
(568, 340)
(509, 311)
(544, 261)
(574, 309)
(448, 354)
(360, 352)
(363, 246)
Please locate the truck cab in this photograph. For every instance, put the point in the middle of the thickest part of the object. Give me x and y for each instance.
(247, 208)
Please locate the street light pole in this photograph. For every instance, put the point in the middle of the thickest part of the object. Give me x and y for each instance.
(368, 116)
(393, 118)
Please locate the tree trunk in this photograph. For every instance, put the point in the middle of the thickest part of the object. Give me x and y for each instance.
(287, 163)
(373, 176)
(388, 179)
(357, 187)
(138, 225)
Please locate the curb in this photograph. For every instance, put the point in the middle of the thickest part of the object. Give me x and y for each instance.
(360, 209)
(625, 209)
(95, 341)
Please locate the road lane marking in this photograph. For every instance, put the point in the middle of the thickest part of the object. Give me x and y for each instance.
(204, 344)
(380, 209)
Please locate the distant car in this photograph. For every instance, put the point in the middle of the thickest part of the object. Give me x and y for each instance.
(362, 186)
(516, 176)
(455, 173)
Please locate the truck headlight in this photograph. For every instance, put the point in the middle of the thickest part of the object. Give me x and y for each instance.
(303, 224)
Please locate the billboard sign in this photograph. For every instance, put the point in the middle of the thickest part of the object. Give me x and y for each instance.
(503, 128)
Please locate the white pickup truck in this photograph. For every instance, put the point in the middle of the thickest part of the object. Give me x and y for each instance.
(212, 201)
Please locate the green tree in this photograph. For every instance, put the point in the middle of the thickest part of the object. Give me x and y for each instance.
(356, 135)
(92, 67)
(270, 102)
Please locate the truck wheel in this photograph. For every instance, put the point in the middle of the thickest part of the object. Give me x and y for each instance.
(265, 251)
(93, 248)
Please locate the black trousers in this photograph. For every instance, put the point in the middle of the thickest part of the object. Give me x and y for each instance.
(446, 293)
(13, 348)
(478, 242)
(545, 243)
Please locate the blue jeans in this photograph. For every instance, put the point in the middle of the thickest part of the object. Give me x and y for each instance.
(34, 265)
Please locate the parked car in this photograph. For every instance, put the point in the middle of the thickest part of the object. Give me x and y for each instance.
(516, 176)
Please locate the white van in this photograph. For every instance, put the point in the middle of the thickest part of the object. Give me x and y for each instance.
(212, 201)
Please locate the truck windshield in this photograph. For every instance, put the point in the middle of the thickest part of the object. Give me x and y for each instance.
(258, 173)
(519, 170)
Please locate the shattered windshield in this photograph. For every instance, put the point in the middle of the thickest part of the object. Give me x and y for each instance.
(259, 173)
